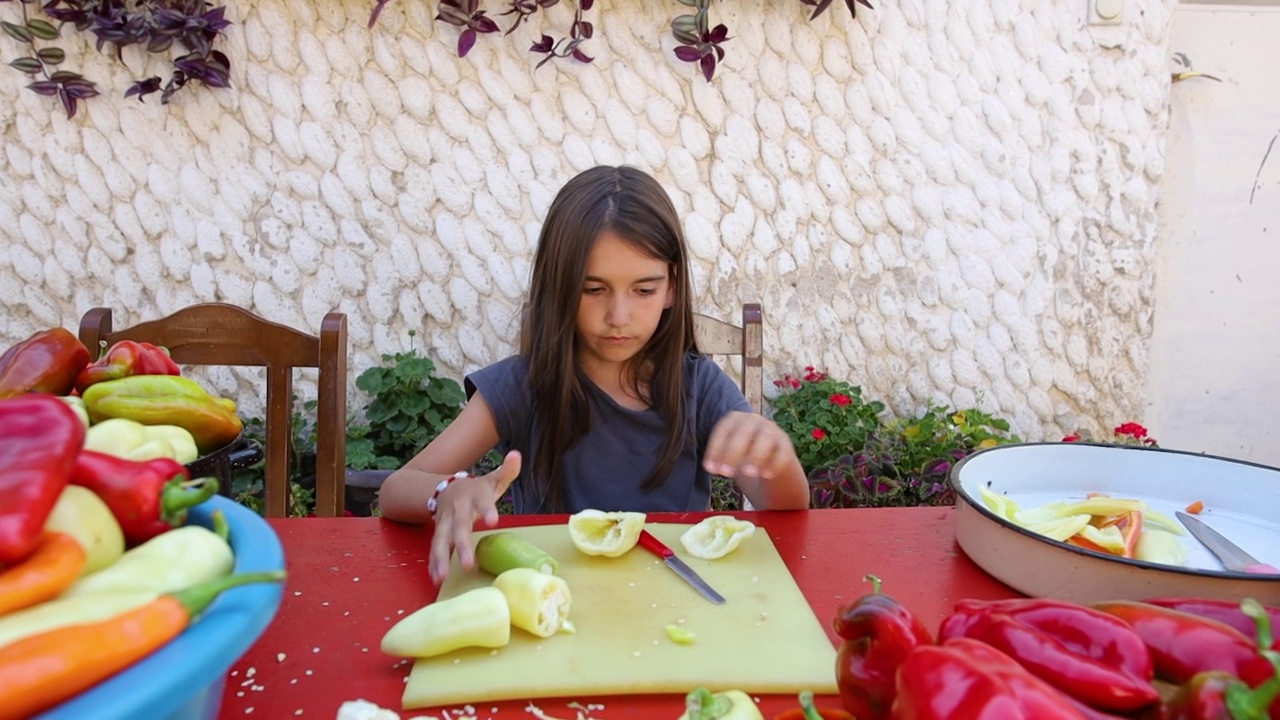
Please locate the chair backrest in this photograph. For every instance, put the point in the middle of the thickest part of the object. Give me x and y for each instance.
(222, 334)
(717, 337)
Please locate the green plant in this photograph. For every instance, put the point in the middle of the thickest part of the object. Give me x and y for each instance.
(248, 484)
(825, 418)
(409, 407)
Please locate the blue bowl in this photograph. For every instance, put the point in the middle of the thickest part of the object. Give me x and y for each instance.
(184, 679)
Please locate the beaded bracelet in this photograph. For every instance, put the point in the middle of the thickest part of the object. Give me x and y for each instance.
(433, 501)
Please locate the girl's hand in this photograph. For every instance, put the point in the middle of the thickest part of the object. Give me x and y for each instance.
(748, 445)
(457, 509)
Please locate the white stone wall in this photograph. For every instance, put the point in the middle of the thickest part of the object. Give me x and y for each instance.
(942, 200)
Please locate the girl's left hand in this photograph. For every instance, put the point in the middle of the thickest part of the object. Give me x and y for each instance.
(745, 444)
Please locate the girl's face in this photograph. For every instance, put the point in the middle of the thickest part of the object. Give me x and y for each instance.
(623, 295)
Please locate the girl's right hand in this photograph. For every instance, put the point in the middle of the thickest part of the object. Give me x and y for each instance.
(457, 509)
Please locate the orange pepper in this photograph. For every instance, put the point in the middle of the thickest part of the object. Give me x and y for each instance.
(42, 575)
(42, 670)
(1196, 507)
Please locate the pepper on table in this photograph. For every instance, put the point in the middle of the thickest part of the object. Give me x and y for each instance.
(1219, 695)
(965, 679)
(809, 711)
(878, 634)
(46, 362)
(42, 670)
(1224, 611)
(126, 358)
(147, 498)
(41, 438)
(1088, 654)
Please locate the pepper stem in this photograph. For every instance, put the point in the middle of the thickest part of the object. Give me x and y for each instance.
(1246, 704)
(220, 526)
(806, 706)
(179, 494)
(702, 704)
(197, 597)
(875, 583)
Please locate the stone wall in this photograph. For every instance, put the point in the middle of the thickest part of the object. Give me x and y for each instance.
(950, 201)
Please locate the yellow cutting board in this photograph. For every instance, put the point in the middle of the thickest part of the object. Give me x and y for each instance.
(763, 639)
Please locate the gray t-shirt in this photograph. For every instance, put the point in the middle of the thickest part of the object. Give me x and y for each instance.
(608, 465)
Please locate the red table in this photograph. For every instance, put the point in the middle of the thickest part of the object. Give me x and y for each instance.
(350, 579)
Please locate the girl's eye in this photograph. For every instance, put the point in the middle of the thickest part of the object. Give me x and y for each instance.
(592, 290)
(646, 291)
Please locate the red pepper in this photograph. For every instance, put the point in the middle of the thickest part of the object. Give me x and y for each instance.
(146, 498)
(46, 362)
(38, 446)
(1219, 695)
(1183, 644)
(126, 358)
(1087, 654)
(1224, 611)
(878, 634)
(965, 678)
(809, 711)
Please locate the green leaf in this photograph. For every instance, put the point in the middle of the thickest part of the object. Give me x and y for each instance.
(17, 32)
(42, 29)
(28, 65)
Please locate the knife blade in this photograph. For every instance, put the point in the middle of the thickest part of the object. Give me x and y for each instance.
(1232, 556)
(659, 548)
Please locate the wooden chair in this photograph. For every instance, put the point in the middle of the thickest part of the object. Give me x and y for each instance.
(222, 334)
(717, 337)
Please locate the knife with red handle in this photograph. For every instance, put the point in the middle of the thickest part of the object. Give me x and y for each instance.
(657, 547)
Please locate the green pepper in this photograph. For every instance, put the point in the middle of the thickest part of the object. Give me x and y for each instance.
(476, 618)
(501, 551)
(166, 400)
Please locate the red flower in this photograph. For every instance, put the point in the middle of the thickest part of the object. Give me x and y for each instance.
(1132, 429)
(840, 399)
(1073, 437)
(819, 434)
(795, 384)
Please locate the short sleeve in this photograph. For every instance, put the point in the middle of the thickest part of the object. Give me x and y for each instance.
(505, 387)
(715, 395)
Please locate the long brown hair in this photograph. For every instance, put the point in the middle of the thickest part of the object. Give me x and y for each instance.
(632, 204)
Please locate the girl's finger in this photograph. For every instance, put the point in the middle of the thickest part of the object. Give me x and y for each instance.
(720, 456)
(462, 540)
(440, 547)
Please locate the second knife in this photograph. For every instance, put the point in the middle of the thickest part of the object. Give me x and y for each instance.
(659, 548)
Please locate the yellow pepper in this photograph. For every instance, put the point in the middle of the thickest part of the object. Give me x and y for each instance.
(539, 602)
(702, 704)
(81, 514)
(476, 618)
(132, 440)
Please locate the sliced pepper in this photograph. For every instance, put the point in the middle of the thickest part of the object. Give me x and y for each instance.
(46, 362)
(126, 358)
(38, 447)
(166, 400)
(476, 618)
(702, 704)
(539, 603)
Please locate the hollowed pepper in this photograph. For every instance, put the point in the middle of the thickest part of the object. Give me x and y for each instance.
(964, 679)
(166, 400)
(878, 634)
(38, 447)
(1087, 654)
(1219, 695)
(46, 362)
(147, 498)
(126, 358)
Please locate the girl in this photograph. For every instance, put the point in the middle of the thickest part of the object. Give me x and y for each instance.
(608, 405)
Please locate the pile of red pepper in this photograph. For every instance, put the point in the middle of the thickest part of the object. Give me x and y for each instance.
(1044, 659)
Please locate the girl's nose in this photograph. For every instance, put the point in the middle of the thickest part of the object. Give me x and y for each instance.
(619, 312)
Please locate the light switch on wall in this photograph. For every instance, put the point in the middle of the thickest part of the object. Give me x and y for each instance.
(1106, 12)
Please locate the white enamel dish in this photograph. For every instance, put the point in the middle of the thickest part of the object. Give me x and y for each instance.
(1242, 501)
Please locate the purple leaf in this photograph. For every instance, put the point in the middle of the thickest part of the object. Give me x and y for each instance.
(688, 54)
(68, 103)
(466, 41)
(708, 66)
(581, 56)
(377, 10)
(544, 45)
(485, 25)
(47, 88)
(719, 34)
